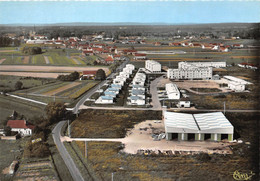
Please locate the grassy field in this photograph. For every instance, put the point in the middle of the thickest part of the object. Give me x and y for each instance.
(55, 56)
(8, 82)
(60, 91)
(108, 123)
(106, 157)
(10, 150)
(26, 108)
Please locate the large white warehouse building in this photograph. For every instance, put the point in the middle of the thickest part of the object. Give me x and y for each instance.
(206, 126)
(153, 66)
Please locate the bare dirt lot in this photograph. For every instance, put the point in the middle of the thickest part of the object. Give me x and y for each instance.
(140, 138)
(2, 60)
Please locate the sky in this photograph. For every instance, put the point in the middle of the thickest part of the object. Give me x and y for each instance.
(155, 11)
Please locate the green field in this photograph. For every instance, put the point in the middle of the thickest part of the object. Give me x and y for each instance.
(26, 108)
(55, 56)
(7, 82)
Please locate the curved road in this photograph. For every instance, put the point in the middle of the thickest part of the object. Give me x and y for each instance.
(74, 171)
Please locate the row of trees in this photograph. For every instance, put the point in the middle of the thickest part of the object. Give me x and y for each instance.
(5, 42)
(71, 77)
(55, 111)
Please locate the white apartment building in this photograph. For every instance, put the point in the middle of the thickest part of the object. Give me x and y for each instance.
(172, 91)
(153, 66)
(192, 73)
(188, 65)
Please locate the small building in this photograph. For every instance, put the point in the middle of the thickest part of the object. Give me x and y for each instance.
(89, 74)
(110, 93)
(115, 90)
(136, 100)
(116, 86)
(172, 91)
(106, 100)
(21, 126)
(184, 102)
(139, 56)
(197, 127)
(139, 93)
(236, 84)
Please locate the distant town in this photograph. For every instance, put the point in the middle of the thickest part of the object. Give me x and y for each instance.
(129, 102)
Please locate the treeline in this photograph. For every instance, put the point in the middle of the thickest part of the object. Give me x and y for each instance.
(6, 42)
(71, 77)
(32, 50)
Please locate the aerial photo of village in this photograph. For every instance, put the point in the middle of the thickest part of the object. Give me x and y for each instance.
(129, 90)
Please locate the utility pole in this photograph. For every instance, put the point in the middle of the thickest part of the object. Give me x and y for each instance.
(112, 176)
(69, 128)
(224, 107)
(86, 149)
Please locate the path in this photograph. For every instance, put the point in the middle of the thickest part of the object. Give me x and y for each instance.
(74, 171)
(76, 61)
(47, 61)
(2, 60)
(153, 90)
(26, 99)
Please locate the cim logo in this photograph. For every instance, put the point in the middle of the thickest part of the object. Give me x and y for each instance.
(242, 176)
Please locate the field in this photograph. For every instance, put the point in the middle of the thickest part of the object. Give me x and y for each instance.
(107, 157)
(108, 123)
(10, 150)
(65, 57)
(59, 91)
(28, 109)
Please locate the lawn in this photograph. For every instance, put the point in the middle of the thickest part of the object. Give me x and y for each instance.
(106, 157)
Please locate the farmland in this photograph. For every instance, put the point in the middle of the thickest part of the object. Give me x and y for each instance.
(59, 91)
(107, 157)
(48, 57)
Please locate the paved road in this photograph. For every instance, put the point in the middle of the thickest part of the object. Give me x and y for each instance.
(172, 109)
(153, 90)
(74, 171)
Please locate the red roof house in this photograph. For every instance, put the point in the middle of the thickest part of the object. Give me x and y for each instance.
(21, 126)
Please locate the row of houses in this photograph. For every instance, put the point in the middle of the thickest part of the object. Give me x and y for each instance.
(248, 65)
(137, 93)
(194, 70)
(114, 89)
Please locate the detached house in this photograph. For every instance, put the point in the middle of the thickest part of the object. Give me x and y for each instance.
(21, 126)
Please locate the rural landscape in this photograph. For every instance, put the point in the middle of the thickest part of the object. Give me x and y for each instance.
(129, 101)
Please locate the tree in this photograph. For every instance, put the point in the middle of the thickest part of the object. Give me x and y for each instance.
(18, 85)
(7, 130)
(101, 75)
(55, 111)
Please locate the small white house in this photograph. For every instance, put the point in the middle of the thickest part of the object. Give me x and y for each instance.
(106, 100)
(136, 100)
(184, 103)
(21, 126)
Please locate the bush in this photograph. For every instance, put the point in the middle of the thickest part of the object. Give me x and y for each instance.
(32, 50)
